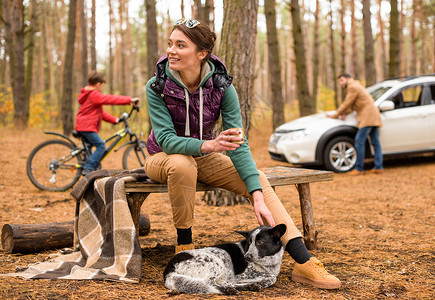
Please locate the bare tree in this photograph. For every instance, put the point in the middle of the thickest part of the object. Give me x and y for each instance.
(84, 27)
(316, 53)
(93, 48)
(274, 64)
(394, 64)
(152, 41)
(382, 52)
(369, 62)
(333, 64)
(15, 31)
(354, 52)
(67, 95)
(239, 32)
(413, 63)
(110, 82)
(343, 36)
(306, 106)
(32, 28)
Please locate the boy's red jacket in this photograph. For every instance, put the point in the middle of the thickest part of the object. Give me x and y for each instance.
(91, 110)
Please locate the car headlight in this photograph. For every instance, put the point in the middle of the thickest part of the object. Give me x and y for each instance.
(295, 135)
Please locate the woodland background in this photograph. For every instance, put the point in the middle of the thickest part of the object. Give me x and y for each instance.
(284, 55)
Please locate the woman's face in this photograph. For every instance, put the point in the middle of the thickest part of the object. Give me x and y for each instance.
(182, 53)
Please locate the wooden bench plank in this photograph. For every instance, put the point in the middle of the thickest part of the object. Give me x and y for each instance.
(277, 176)
(137, 192)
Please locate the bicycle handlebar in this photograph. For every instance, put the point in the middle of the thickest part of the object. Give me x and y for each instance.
(124, 116)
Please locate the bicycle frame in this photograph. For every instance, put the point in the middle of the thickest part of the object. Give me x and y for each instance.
(118, 136)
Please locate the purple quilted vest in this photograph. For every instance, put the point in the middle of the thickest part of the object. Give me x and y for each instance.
(174, 97)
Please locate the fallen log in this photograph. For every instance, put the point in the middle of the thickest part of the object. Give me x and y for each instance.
(30, 238)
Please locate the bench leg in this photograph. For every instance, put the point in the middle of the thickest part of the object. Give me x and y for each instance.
(310, 233)
(135, 201)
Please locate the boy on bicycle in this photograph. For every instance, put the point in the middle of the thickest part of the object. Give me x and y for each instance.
(91, 113)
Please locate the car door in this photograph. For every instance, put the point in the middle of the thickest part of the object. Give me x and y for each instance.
(429, 105)
(406, 128)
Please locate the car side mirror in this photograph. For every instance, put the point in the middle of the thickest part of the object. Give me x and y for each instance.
(386, 105)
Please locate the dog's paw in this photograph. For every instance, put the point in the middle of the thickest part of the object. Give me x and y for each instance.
(172, 293)
(228, 290)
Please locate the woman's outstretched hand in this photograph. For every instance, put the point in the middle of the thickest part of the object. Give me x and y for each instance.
(261, 210)
(223, 142)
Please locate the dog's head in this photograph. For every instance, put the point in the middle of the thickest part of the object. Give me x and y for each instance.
(262, 242)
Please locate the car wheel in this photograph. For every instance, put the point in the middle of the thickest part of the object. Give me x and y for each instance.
(340, 154)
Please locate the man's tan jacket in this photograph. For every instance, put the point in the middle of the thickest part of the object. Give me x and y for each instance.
(359, 100)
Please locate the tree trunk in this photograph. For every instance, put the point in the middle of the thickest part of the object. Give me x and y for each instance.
(13, 17)
(123, 87)
(342, 47)
(110, 79)
(239, 32)
(383, 70)
(333, 64)
(30, 238)
(403, 57)
(424, 36)
(343, 37)
(84, 27)
(413, 64)
(394, 64)
(274, 65)
(93, 48)
(67, 94)
(369, 62)
(152, 43)
(30, 51)
(306, 107)
(316, 54)
(354, 55)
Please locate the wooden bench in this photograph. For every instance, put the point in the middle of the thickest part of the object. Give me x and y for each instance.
(137, 192)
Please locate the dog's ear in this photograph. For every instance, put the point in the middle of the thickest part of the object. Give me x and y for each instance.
(244, 233)
(278, 231)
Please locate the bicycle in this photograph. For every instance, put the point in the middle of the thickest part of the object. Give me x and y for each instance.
(56, 165)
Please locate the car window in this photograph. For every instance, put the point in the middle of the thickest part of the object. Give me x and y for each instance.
(408, 97)
(376, 93)
(431, 99)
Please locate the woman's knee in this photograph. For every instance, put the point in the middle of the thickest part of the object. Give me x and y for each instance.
(181, 164)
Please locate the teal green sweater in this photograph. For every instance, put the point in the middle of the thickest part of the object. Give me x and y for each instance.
(170, 143)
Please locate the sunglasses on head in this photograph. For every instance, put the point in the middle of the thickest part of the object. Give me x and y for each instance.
(190, 23)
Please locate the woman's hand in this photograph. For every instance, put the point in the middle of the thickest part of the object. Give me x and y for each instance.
(261, 210)
(222, 142)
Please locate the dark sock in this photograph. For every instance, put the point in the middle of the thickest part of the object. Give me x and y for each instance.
(184, 236)
(297, 250)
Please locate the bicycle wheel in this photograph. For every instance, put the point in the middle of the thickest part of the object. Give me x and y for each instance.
(134, 156)
(51, 166)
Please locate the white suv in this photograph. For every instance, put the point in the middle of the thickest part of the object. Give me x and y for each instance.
(407, 108)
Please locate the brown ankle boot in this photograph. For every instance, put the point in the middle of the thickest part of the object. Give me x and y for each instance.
(180, 248)
(312, 272)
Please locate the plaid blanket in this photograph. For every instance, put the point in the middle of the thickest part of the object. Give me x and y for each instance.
(106, 245)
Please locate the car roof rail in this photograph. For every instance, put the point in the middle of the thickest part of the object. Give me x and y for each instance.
(408, 77)
(422, 75)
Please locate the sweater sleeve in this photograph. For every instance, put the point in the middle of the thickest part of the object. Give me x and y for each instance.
(349, 100)
(241, 157)
(107, 99)
(161, 122)
(108, 117)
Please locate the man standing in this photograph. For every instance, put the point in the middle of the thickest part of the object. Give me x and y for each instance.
(369, 119)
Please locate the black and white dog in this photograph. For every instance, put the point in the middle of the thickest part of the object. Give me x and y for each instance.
(248, 265)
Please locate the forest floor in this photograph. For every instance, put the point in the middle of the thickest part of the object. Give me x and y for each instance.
(376, 232)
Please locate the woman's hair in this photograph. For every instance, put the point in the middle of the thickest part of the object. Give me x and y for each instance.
(201, 35)
(95, 77)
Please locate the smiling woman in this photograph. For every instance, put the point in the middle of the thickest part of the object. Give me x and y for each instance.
(191, 89)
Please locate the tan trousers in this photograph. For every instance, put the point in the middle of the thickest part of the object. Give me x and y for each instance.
(181, 173)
